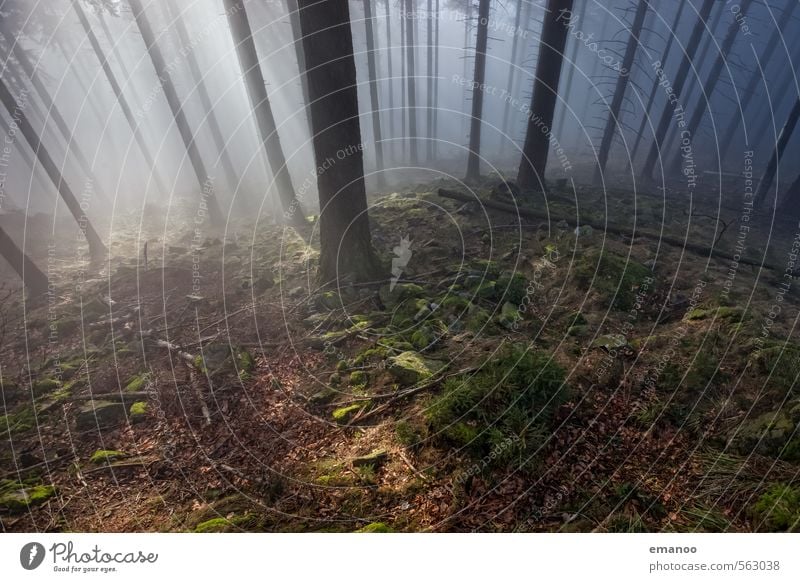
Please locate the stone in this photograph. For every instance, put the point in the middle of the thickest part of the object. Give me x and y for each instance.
(376, 458)
(101, 414)
(765, 435)
(410, 367)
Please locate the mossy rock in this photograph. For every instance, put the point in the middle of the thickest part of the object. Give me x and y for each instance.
(422, 338)
(17, 422)
(226, 525)
(576, 318)
(614, 341)
(101, 414)
(477, 319)
(511, 287)
(410, 367)
(765, 435)
(18, 499)
(345, 413)
(138, 411)
(615, 277)
(510, 315)
(778, 510)
(101, 456)
(375, 527)
(359, 379)
(137, 383)
(375, 459)
(728, 313)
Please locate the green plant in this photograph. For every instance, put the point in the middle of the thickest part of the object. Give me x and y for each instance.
(778, 509)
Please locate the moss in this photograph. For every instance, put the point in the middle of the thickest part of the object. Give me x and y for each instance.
(376, 527)
(729, 313)
(615, 277)
(17, 422)
(422, 338)
(101, 456)
(410, 367)
(45, 386)
(511, 288)
(138, 409)
(455, 303)
(346, 412)
(778, 510)
(137, 383)
(225, 525)
(341, 365)
(18, 498)
(359, 379)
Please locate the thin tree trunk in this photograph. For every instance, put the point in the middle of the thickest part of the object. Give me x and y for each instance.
(780, 146)
(750, 91)
(512, 75)
(713, 78)
(403, 82)
(619, 92)
(435, 144)
(429, 71)
(545, 92)
(187, 43)
(259, 100)
(97, 249)
(790, 206)
(373, 93)
(467, 23)
(597, 64)
(162, 71)
(573, 66)
(27, 159)
(115, 52)
(294, 21)
(32, 276)
(412, 87)
(478, 81)
(120, 96)
(53, 112)
(389, 51)
(677, 88)
(673, 31)
(345, 244)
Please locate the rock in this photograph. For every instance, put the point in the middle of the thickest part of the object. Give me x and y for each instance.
(45, 386)
(410, 368)
(101, 457)
(765, 435)
(138, 411)
(376, 527)
(376, 458)
(509, 315)
(345, 413)
(295, 292)
(102, 414)
(16, 498)
(613, 341)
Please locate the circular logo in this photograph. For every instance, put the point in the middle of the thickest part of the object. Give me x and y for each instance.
(31, 555)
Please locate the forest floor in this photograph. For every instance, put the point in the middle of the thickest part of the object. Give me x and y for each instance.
(584, 373)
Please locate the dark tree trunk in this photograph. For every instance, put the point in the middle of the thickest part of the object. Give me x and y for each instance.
(97, 249)
(28, 160)
(790, 206)
(53, 112)
(573, 66)
(478, 80)
(467, 25)
(700, 62)
(545, 92)
(411, 86)
(294, 21)
(162, 73)
(120, 96)
(259, 100)
(389, 51)
(435, 130)
(673, 31)
(403, 82)
(33, 278)
(619, 91)
(677, 88)
(373, 93)
(187, 44)
(772, 168)
(115, 43)
(345, 244)
(750, 91)
(713, 77)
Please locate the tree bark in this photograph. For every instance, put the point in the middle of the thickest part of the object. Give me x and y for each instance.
(790, 206)
(187, 43)
(573, 66)
(162, 71)
(435, 130)
(259, 100)
(512, 74)
(619, 91)
(750, 91)
(772, 168)
(673, 31)
(294, 21)
(713, 78)
(545, 92)
(345, 245)
(478, 81)
(120, 96)
(32, 277)
(389, 51)
(429, 71)
(97, 249)
(677, 88)
(411, 85)
(373, 93)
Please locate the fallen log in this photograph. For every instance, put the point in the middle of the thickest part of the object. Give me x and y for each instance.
(607, 227)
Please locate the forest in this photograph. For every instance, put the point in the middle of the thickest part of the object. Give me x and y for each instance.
(399, 266)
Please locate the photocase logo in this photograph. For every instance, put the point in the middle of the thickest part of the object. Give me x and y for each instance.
(31, 555)
(403, 254)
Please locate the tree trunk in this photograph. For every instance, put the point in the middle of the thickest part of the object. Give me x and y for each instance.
(411, 86)
(114, 43)
(619, 91)
(429, 71)
(713, 78)
(435, 131)
(573, 67)
(512, 75)
(32, 277)
(750, 91)
(259, 100)
(373, 93)
(97, 249)
(345, 245)
(28, 160)
(205, 180)
(545, 92)
(120, 96)
(389, 51)
(777, 154)
(188, 44)
(677, 88)
(403, 83)
(467, 24)
(790, 206)
(53, 112)
(478, 81)
(294, 21)
(672, 33)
